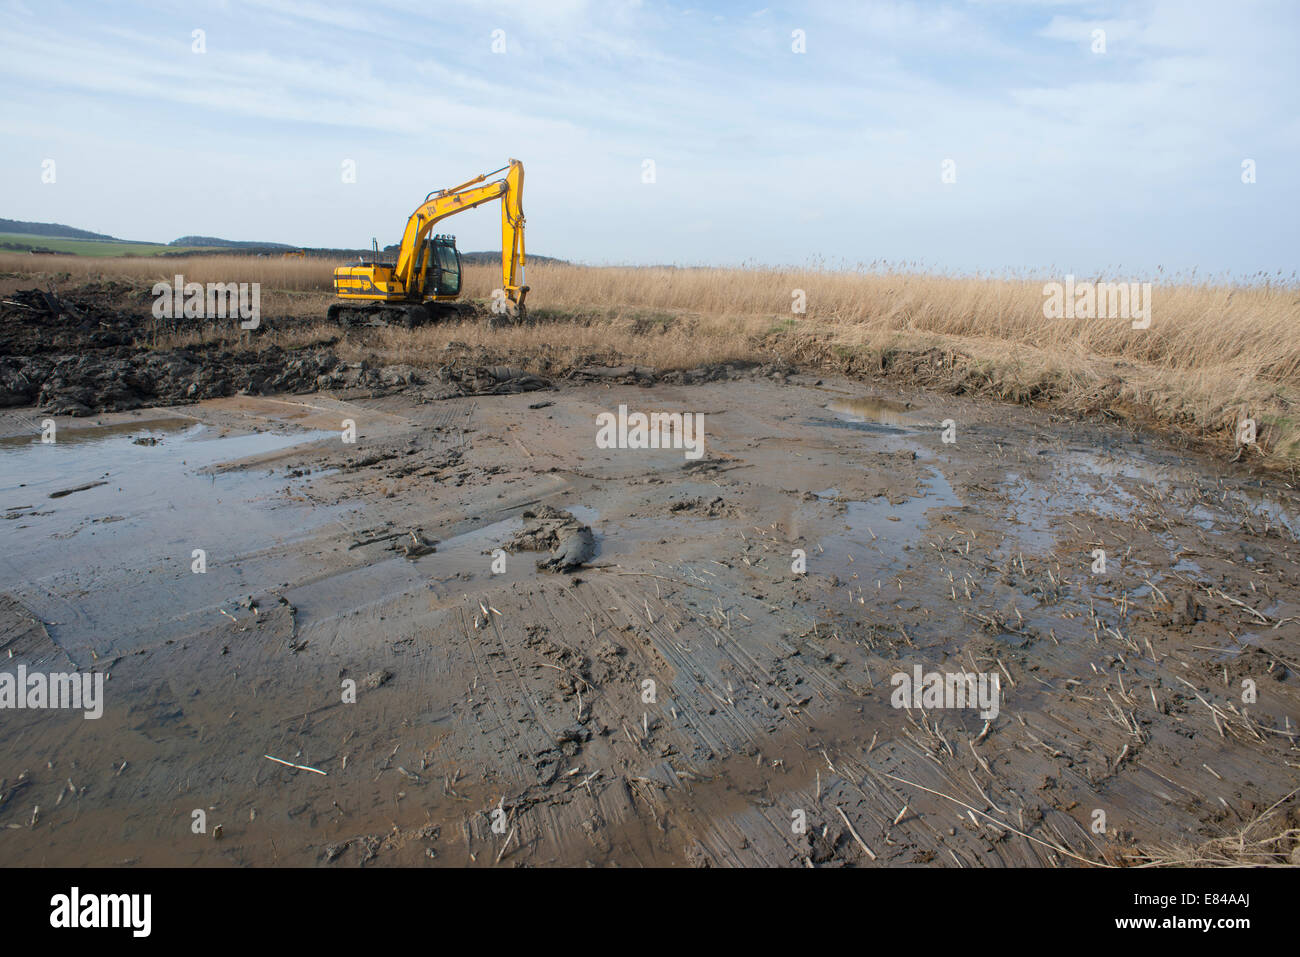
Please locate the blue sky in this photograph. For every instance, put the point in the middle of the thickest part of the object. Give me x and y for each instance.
(1065, 159)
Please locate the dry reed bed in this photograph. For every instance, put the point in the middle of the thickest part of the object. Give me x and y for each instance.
(1213, 354)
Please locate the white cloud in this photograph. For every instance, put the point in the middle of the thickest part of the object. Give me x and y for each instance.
(768, 154)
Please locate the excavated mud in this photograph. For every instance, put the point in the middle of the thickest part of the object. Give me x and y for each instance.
(93, 350)
(372, 669)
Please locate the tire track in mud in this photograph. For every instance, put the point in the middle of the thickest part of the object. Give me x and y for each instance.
(654, 649)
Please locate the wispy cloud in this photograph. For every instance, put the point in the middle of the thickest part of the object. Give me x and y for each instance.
(1062, 155)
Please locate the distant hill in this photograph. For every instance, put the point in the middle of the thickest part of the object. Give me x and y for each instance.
(47, 229)
(477, 258)
(494, 259)
(18, 235)
(210, 241)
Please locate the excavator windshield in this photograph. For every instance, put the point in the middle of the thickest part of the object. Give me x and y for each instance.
(449, 269)
(440, 265)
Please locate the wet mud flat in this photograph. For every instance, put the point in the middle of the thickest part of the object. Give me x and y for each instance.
(372, 616)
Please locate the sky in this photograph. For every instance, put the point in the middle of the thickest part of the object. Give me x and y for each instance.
(970, 136)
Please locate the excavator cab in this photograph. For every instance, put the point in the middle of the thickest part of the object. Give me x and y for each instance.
(424, 281)
(441, 268)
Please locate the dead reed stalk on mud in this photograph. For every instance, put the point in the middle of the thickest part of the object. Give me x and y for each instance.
(1265, 840)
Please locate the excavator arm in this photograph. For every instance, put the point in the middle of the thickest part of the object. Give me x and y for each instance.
(512, 236)
(438, 206)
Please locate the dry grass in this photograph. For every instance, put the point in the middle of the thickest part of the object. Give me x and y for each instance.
(1267, 840)
(557, 344)
(275, 273)
(1213, 353)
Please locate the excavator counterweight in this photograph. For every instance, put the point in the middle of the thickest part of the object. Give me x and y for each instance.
(425, 280)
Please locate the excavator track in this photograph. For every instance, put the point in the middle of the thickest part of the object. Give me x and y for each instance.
(407, 316)
(400, 315)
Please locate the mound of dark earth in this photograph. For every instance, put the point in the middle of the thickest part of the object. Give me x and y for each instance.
(100, 315)
(89, 350)
(84, 384)
(94, 348)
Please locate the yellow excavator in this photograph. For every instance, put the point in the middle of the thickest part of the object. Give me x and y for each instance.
(425, 281)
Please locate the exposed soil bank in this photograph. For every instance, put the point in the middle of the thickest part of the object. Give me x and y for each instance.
(96, 347)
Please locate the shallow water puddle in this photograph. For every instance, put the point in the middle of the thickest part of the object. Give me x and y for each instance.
(90, 434)
(874, 535)
(101, 527)
(887, 412)
(148, 457)
(906, 520)
(1116, 487)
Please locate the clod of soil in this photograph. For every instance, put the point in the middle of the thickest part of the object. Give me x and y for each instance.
(570, 543)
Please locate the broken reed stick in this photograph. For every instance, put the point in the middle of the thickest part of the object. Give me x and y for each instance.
(947, 797)
(502, 853)
(290, 764)
(849, 825)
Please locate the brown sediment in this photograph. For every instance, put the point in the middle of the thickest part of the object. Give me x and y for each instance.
(526, 692)
(689, 696)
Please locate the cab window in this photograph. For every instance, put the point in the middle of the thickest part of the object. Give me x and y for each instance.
(449, 282)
